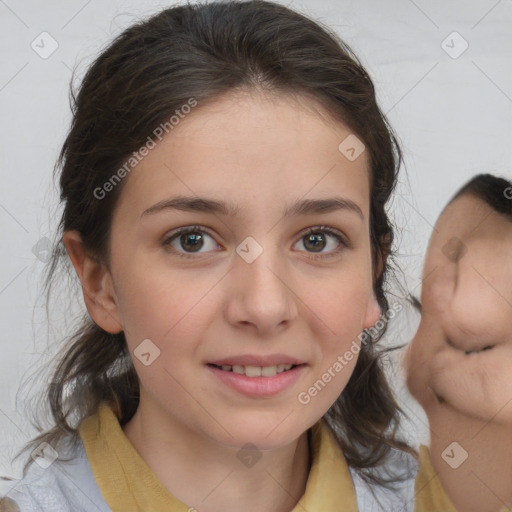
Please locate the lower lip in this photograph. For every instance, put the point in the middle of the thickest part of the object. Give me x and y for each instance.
(259, 386)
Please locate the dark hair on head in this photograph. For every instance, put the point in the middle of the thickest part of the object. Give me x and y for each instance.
(495, 191)
(148, 72)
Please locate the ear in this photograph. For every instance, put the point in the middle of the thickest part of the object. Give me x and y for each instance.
(97, 285)
(373, 312)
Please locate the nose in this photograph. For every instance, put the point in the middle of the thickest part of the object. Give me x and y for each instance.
(262, 294)
(467, 297)
(482, 304)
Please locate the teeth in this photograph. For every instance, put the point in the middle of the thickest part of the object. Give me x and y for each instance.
(268, 371)
(253, 371)
(257, 371)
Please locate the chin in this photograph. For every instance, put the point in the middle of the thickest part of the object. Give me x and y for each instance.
(279, 429)
(252, 439)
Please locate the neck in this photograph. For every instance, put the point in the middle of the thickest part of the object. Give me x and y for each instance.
(210, 477)
(482, 482)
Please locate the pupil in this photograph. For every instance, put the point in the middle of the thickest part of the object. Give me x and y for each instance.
(316, 237)
(196, 244)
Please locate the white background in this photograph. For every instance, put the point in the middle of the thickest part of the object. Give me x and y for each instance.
(453, 117)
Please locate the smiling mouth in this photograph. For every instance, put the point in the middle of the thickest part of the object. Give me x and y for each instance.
(256, 371)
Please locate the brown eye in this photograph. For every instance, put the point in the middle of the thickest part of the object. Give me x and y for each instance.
(188, 240)
(316, 239)
(191, 241)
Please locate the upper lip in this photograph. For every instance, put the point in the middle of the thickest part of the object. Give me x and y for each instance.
(254, 360)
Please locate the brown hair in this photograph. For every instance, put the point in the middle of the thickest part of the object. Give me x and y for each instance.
(146, 74)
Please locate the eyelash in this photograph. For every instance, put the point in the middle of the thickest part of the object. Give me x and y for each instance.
(344, 243)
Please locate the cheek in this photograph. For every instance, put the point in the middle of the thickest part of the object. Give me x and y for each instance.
(330, 376)
(163, 307)
(481, 307)
(428, 340)
(419, 358)
(340, 306)
(339, 311)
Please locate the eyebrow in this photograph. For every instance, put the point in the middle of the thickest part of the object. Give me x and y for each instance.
(207, 205)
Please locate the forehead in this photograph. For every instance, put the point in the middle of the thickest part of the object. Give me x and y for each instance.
(467, 217)
(249, 148)
(463, 216)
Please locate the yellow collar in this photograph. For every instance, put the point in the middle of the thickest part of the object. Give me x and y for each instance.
(128, 484)
(429, 492)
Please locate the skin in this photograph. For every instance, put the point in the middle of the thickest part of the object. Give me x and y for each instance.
(466, 306)
(263, 153)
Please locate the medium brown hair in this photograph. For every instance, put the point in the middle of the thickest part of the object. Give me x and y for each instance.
(150, 70)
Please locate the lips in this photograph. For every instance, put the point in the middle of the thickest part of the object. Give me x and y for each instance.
(255, 360)
(257, 386)
(467, 352)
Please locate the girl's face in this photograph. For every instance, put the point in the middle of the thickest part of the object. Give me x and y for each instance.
(466, 307)
(247, 281)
